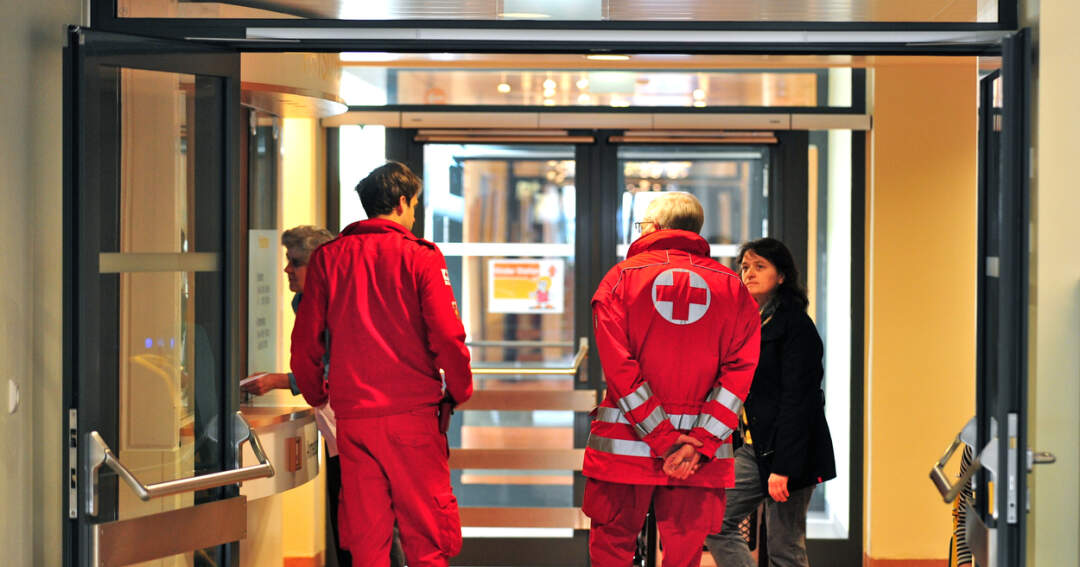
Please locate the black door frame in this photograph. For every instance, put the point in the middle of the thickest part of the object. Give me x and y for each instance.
(91, 226)
(1003, 289)
(232, 32)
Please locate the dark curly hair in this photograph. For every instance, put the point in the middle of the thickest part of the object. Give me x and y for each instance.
(383, 188)
(790, 292)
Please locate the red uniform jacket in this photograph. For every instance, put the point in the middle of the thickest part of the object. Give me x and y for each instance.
(385, 297)
(678, 338)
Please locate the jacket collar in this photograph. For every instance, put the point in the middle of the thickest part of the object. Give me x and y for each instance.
(668, 239)
(374, 226)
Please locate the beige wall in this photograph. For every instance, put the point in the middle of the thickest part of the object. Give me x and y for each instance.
(31, 38)
(1054, 385)
(921, 230)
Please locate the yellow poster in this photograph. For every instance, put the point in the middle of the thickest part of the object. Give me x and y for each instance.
(526, 286)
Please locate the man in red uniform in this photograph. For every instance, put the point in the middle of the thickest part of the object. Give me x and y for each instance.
(678, 338)
(384, 297)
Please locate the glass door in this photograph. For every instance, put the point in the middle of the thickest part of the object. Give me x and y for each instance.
(998, 525)
(991, 489)
(732, 183)
(151, 220)
(506, 217)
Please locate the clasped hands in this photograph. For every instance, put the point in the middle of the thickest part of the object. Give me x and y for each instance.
(683, 459)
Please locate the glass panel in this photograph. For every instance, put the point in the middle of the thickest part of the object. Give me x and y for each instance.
(504, 217)
(731, 183)
(582, 10)
(157, 157)
(606, 88)
(170, 361)
(828, 277)
(363, 148)
(169, 323)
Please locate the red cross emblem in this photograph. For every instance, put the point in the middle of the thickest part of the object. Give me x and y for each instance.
(680, 296)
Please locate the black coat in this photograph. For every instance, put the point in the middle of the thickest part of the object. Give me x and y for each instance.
(786, 406)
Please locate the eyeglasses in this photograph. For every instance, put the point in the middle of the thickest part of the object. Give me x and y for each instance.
(637, 225)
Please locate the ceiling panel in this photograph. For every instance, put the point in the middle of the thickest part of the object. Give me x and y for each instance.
(967, 11)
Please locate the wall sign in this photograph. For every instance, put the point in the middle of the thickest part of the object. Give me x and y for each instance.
(526, 286)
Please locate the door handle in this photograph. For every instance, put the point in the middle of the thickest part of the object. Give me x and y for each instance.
(950, 491)
(99, 454)
(1040, 458)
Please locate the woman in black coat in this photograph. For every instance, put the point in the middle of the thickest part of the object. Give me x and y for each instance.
(787, 449)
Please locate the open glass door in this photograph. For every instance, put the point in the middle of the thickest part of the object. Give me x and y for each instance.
(993, 488)
(153, 224)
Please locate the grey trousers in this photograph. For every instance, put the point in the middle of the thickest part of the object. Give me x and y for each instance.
(786, 521)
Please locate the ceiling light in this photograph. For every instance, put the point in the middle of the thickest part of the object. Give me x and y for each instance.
(367, 56)
(699, 103)
(699, 94)
(549, 102)
(548, 93)
(524, 15)
(583, 84)
(584, 99)
(608, 57)
(503, 88)
(549, 85)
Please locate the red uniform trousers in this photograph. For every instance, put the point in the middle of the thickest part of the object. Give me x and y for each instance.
(395, 467)
(684, 516)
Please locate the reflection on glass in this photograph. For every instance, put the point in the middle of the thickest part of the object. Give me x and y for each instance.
(828, 277)
(937, 11)
(169, 390)
(796, 87)
(730, 182)
(504, 217)
(169, 322)
(157, 150)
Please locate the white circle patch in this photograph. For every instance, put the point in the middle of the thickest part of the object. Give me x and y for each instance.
(681, 296)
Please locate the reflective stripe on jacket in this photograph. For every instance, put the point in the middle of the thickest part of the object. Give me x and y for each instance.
(678, 337)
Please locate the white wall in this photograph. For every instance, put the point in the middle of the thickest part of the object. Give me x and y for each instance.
(31, 40)
(1054, 387)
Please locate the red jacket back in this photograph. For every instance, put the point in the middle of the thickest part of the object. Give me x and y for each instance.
(384, 297)
(678, 338)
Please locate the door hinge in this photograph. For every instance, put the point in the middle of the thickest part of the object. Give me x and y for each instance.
(73, 463)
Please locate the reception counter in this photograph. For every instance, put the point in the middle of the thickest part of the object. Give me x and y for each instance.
(291, 442)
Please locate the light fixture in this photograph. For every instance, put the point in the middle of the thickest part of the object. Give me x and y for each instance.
(549, 85)
(524, 16)
(584, 99)
(699, 94)
(367, 56)
(548, 93)
(699, 103)
(503, 87)
(549, 102)
(607, 57)
(582, 83)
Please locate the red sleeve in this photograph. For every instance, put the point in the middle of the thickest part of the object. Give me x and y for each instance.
(719, 416)
(445, 334)
(308, 334)
(625, 383)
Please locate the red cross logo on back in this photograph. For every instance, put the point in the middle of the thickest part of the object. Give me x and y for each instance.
(681, 296)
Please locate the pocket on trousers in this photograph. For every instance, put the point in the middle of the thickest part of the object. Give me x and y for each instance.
(449, 523)
(603, 500)
(416, 429)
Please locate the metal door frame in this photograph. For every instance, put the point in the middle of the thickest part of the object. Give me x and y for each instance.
(90, 383)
